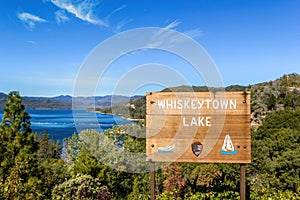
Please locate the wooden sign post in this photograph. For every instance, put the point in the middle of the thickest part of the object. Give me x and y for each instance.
(204, 127)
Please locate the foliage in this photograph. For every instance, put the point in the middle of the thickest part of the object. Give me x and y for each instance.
(201, 196)
(174, 181)
(81, 187)
(140, 187)
(215, 195)
(108, 155)
(138, 108)
(52, 167)
(276, 153)
(207, 176)
(214, 177)
(274, 194)
(135, 109)
(86, 163)
(47, 149)
(19, 167)
(30, 164)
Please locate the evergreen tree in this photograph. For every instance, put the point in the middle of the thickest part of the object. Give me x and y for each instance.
(86, 163)
(53, 170)
(46, 148)
(19, 166)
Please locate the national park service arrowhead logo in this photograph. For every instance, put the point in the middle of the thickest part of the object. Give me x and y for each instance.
(197, 148)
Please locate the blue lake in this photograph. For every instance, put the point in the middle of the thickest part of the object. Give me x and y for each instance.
(61, 123)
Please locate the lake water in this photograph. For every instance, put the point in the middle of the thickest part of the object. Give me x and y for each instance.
(61, 123)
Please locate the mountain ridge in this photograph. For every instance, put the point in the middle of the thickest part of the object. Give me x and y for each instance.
(65, 101)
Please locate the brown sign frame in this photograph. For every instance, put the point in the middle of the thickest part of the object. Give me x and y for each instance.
(204, 127)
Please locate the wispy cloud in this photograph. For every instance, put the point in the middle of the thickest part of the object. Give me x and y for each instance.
(194, 33)
(30, 20)
(170, 39)
(173, 25)
(163, 35)
(61, 16)
(31, 42)
(82, 10)
(114, 11)
(120, 25)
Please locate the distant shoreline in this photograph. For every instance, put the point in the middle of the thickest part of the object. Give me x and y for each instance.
(125, 118)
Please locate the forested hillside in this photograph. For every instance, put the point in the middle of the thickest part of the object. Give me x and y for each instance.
(275, 95)
(265, 97)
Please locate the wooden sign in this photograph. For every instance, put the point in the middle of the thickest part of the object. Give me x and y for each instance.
(206, 127)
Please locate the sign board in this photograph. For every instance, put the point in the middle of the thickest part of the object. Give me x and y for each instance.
(210, 127)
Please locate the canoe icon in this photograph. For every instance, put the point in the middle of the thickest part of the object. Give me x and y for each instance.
(166, 149)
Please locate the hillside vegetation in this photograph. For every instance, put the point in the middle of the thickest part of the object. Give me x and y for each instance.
(275, 95)
(265, 97)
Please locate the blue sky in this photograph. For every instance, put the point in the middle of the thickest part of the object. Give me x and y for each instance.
(45, 42)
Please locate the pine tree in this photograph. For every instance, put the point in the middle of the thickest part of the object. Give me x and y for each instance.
(19, 167)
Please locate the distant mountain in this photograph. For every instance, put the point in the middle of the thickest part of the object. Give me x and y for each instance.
(102, 101)
(65, 101)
